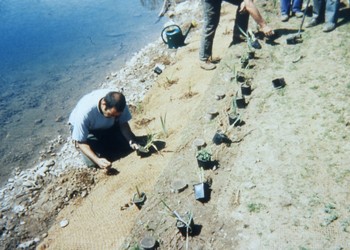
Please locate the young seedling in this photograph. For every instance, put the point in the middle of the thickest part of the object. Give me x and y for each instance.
(150, 142)
(176, 215)
(163, 123)
(251, 39)
(139, 198)
(203, 155)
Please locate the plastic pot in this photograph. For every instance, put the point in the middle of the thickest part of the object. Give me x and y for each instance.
(139, 200)
(240, 77)
(246, 89)
(182, 226)
(201, 191)
(234, 118)
(240, 102)
(278, 83)
(220, 137)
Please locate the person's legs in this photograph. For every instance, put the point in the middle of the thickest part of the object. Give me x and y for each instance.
(211, 12)
(316, 13)
(109, 144)
(332, 10)
(241, 21)
(296, 6)
(285, 7)
(317, 9)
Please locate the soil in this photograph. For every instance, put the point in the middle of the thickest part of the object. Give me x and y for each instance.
(281, 183)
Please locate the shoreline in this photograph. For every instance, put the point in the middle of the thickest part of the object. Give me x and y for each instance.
(21, 192)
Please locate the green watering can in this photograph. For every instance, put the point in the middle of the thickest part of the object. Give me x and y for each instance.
(174, 36)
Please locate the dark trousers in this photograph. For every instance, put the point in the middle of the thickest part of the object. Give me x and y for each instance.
(211, 12)
(108, 143)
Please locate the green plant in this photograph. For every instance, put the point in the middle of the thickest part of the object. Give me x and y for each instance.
(251, 39)
(255, 207)
(138, 192)
(151, 138)
(203, 155)
(186, 222)
(163, 123)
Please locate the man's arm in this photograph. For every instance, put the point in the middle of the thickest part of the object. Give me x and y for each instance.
(128, 135)
(86, 150)
(249, 6)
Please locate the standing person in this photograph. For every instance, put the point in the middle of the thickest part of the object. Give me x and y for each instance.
(100, 128)
(211, 9)
(328, 9)
(287, 6)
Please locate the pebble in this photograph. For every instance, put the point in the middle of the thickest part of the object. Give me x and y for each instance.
(64, 223)
(26, 245)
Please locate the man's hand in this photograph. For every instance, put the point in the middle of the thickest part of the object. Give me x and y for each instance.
(134, 145)
(267, 31)
(103, 163)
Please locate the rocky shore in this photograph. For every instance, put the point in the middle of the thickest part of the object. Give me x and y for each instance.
(32, 198)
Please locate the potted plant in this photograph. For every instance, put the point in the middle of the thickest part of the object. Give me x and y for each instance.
(244, 61)
(203, 158)
(239, 101)
(184, 223)
(240, 76)
(234, 119)
(246, 88)
(139, 198)
(252, 41)
(144, 151)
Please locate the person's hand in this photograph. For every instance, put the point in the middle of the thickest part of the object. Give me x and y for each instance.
(267, 31)
(134, 145)
(242, 7)
(103, 163)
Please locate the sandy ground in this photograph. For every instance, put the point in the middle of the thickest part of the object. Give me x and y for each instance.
(283, 182)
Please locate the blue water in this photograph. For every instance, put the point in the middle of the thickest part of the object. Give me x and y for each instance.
(51, 53)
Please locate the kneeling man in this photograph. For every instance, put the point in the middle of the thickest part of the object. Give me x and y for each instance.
(100, 128)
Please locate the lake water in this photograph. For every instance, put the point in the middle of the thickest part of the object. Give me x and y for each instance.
(51, 53)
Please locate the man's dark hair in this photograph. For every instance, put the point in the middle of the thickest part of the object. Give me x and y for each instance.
(115, 100)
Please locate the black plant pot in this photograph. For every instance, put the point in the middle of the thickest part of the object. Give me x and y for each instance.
(139, 200)
(234, 118)
(182, 226)
(204, 164)
(142, 152)
(240, 102)
(278, 83)
(220, 137)
(255, 44)
(246, 89)
(251, 54)
(240, 77)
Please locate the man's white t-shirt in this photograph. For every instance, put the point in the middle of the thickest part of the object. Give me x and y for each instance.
(86, 116)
